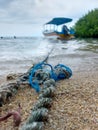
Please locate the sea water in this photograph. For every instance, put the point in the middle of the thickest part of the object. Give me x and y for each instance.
(18, 54)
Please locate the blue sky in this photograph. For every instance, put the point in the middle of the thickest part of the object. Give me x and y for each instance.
(26, 17)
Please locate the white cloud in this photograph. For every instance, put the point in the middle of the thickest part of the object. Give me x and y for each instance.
(28, 10)
(40, 11)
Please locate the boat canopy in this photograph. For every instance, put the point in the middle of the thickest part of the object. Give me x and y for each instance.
(59, 21)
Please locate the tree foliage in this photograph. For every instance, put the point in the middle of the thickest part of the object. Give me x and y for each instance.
(87, 26)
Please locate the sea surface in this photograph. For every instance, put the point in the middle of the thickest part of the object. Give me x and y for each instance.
(18, 54)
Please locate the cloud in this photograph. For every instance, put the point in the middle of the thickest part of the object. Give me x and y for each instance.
(38, 12)
(5, 3)
(34, 11)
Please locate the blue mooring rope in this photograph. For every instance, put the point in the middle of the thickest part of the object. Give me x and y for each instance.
(64, 74)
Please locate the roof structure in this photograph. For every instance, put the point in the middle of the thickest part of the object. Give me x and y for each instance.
(59, 21)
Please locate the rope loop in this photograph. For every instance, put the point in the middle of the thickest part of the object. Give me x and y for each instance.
(38, 74)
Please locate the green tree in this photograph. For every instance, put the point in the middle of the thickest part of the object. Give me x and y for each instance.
(87, 26)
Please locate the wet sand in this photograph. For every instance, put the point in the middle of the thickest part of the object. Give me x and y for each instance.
(75, 106)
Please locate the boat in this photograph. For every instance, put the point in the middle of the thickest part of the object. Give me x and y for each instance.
(51, 29)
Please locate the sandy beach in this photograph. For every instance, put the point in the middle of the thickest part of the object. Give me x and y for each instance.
(75, 105)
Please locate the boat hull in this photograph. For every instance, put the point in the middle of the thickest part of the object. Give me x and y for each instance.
(58, 35)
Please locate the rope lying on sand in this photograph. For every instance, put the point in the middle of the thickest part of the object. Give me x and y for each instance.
(40, 75)
(39, 113)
